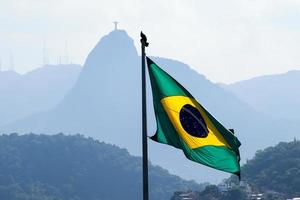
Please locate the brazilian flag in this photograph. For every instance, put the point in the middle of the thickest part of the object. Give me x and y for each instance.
(183, 123)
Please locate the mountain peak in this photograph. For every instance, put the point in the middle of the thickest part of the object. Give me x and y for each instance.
(117, 43)
(117, 35)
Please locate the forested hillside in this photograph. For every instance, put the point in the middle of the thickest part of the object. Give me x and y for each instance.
(275, 168)
(273, 174)
(42, 167)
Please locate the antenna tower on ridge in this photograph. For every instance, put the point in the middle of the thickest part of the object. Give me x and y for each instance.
(66, 59)
(11, 62)
(45, 56)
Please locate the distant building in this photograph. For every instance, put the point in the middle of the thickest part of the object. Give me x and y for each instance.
(189, 195)
(224, 187)
(246, 187)
(256, 196)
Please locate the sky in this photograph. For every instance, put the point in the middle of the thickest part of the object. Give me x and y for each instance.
(227, 41)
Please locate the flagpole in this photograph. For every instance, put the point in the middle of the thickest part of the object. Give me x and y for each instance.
(144, 121)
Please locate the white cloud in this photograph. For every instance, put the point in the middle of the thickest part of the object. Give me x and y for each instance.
(225, 40)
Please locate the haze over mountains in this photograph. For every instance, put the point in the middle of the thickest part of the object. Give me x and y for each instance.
(36, 91)
(105, 103)
(275, 95)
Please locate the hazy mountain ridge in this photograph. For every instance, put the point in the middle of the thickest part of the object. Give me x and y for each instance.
(275, 95)
(105, 103)
(77, 168)
(38, 90)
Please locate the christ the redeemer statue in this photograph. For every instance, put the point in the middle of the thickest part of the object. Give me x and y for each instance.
(116, 25)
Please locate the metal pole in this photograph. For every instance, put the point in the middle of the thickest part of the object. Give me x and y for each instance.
(144, 121)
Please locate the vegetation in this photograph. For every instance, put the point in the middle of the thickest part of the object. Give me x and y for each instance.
(59, 167)
(275, 168)
(273, 174)
(212, 192)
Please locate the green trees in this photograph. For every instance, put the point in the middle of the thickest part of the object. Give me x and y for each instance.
(211, 192)
(274, 173)
(59, 167)
(234, 194)
(275, 168)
